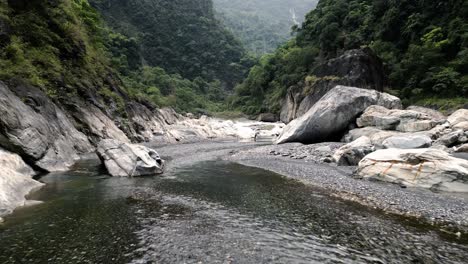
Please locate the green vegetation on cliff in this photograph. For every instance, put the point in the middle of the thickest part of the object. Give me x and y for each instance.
(424, 46)
(172, 53)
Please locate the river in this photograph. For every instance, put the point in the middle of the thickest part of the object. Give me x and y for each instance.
(209, 212)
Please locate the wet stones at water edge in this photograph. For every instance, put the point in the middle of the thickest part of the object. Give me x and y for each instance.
(123, 159)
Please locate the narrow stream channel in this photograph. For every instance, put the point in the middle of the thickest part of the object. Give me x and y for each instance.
(210, 212)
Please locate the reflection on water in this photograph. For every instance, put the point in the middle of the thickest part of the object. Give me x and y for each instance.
(213, 212)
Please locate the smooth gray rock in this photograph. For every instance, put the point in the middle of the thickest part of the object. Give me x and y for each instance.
(39, 131)
(408, 142)
(329, 118)
(451, 138)
(426, 168)
(128, 160)
(350, 154)
(15, 182)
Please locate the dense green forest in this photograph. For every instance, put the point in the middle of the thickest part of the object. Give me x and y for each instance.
(424, 46)
(263, 25)
(174, 53)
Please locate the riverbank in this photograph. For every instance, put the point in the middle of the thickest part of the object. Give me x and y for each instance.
(307, 163)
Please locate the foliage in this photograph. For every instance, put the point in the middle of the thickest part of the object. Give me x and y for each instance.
(181, 36)
(424, 46)
(65, 48)
(262, 25)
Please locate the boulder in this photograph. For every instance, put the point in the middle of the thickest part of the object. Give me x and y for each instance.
(123, 159)
(15, 182)
(408, 142)
(426, 168)
(37, 129)
(330, 117)
(451, 139)
(433, 114)
(350, 154)
(458, 117)
(461, 126)
(357, 68)
(267, 117)
(396, 119)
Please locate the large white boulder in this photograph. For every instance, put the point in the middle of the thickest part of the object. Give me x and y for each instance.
(330, 117)
(426, 168)
(15, 182)
(128, 160)
(351, 153)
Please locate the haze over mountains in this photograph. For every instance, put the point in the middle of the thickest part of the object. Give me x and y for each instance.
(262, 25)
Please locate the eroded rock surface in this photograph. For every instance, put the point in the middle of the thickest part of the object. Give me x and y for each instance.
(129, 160)
(426, 168)
(35, 128)
(15, 182)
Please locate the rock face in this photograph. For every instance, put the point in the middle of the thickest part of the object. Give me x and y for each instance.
(350, 154)
(357, 68)
(128, 160)
(34, 127)
(329, 118)
(426, 168)
(408, 142)
(15, 182)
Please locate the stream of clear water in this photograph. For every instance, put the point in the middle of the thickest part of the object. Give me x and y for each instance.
(210, 212)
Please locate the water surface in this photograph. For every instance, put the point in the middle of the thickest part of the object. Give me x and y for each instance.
(211, 212)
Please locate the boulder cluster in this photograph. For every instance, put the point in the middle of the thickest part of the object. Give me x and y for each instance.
(412, 147)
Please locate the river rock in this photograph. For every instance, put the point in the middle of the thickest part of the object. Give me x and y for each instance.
(350, 154)
(433, 114)
(37, 129)
(329, 118)
(462, 148)
(396, 119)
(458, 117)
(408, 142)
(128, 160)
(426, 168)
(15, 182)
(451, 139)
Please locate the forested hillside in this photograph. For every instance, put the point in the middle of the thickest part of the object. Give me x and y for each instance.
(172, 53)
(424, 46)
(263, 25)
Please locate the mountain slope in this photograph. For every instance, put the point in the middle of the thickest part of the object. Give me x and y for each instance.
(262, 25)
(180, 36)
(423, 45)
